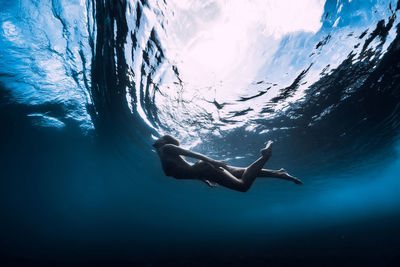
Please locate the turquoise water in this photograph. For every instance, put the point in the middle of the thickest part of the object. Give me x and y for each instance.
(86, 86)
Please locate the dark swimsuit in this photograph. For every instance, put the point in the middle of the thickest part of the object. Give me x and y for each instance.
(199, 170)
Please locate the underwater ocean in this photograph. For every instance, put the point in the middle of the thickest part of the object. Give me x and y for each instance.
(86, 87)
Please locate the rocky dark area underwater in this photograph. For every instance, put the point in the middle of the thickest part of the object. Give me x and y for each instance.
(87, 85)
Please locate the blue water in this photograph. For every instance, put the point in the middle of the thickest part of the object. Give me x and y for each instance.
(86, 86)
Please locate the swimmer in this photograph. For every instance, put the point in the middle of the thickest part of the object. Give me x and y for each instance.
(213, 171)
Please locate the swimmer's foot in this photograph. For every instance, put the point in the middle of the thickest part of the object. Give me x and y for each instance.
(285, 174)
(267, 151)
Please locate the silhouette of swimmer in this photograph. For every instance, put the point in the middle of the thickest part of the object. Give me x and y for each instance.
(213, 171)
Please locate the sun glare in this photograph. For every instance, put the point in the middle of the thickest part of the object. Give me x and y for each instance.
(217, 40)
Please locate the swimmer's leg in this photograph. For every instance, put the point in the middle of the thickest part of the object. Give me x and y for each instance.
(265, 173)
(280, 174)
(228, 177)
(251, 172)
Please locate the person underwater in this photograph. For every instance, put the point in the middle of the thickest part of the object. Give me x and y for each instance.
(213, 171)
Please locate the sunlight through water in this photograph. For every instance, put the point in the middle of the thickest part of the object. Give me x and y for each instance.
(86, 86)
(228, 41)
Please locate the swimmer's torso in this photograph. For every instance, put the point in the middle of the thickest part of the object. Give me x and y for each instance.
(174, 165)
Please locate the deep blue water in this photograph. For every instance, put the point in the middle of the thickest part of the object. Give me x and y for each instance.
(86, 86)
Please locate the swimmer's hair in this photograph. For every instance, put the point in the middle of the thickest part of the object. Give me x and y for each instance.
(166, 139)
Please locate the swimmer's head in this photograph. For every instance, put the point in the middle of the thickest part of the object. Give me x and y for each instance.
(166, 139)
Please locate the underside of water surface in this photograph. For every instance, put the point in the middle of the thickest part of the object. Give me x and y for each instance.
(86, 86)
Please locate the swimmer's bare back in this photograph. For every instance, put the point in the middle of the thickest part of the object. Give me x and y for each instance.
(213, 171)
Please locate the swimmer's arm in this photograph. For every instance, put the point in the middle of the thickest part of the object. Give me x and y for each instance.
(177, 150)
